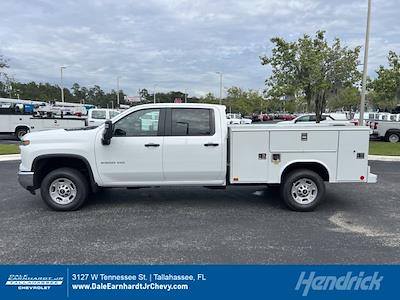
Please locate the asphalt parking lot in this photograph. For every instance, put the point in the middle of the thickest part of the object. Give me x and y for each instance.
(356, 224)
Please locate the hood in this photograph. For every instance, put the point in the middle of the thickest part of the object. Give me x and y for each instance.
(61, 135)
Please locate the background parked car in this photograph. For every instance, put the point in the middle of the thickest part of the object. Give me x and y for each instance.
(97, 116)
(236, 119)
(288, 117)
(311, 119)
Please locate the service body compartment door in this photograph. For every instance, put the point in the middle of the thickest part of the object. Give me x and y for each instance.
(353, 155)
(304, 140)
(249, 156)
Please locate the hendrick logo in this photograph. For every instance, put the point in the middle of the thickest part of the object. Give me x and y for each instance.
(348, 282)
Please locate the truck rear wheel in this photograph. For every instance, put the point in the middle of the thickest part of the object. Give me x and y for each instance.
(64, 189)
(302, 190)
(393, 137)
(21, 131)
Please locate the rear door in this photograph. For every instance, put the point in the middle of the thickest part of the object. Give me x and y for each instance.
(193, 151)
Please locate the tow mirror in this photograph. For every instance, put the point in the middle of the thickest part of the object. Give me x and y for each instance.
(107, 133)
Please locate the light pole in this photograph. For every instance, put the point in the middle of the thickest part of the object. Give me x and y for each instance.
(62, 88)
(220, 87)
(185, 96)
(365, 69)
(154, 95)
(118, 77)
(10, 90)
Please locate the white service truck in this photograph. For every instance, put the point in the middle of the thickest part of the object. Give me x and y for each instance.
(190, 144)
(20, 123)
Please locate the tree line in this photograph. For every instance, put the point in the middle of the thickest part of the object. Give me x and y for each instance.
(314, 74)
(309, 74)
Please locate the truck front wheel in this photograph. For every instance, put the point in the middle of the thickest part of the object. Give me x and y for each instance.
(64, 189)
(302, 190)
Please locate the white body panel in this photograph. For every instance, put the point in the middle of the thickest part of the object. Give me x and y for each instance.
(38, 124)
(127, 162)
(335, 148)
(9, 123)
(245, 165)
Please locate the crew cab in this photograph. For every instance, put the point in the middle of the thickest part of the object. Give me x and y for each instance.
(191, 144)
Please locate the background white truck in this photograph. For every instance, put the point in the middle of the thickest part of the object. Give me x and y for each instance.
(387, 130)
(190, 144)
(19, 119)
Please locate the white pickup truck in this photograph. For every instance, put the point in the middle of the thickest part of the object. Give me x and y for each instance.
(387, 130)
(190, 144)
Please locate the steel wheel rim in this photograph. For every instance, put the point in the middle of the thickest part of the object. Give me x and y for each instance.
(393, 138)
(304, 191)
(62, 191)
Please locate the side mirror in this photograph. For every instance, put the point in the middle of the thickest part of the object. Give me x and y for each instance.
(107, 133)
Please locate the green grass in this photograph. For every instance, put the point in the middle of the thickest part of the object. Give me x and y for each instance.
(9, 149)
(384, 148)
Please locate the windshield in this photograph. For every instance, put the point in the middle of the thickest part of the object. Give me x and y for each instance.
(114, 113)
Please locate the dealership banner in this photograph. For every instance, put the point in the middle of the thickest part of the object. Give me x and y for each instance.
(199, 281)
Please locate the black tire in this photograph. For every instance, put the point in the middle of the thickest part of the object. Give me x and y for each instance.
(79, 183)
(392, 137)
(21, 131)
(295, 177)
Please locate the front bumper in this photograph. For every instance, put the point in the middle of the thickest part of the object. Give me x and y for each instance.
(25, 179)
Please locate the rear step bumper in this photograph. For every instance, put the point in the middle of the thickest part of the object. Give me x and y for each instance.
(372, 178)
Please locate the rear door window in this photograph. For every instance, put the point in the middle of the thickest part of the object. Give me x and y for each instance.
(192, 122)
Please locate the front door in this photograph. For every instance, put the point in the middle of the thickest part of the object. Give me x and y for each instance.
(134, 156)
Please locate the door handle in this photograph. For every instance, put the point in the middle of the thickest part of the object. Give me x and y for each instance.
(152, 145)
(211, 145)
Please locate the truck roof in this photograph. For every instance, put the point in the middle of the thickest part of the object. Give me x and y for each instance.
(175, 105)
(181, 105)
